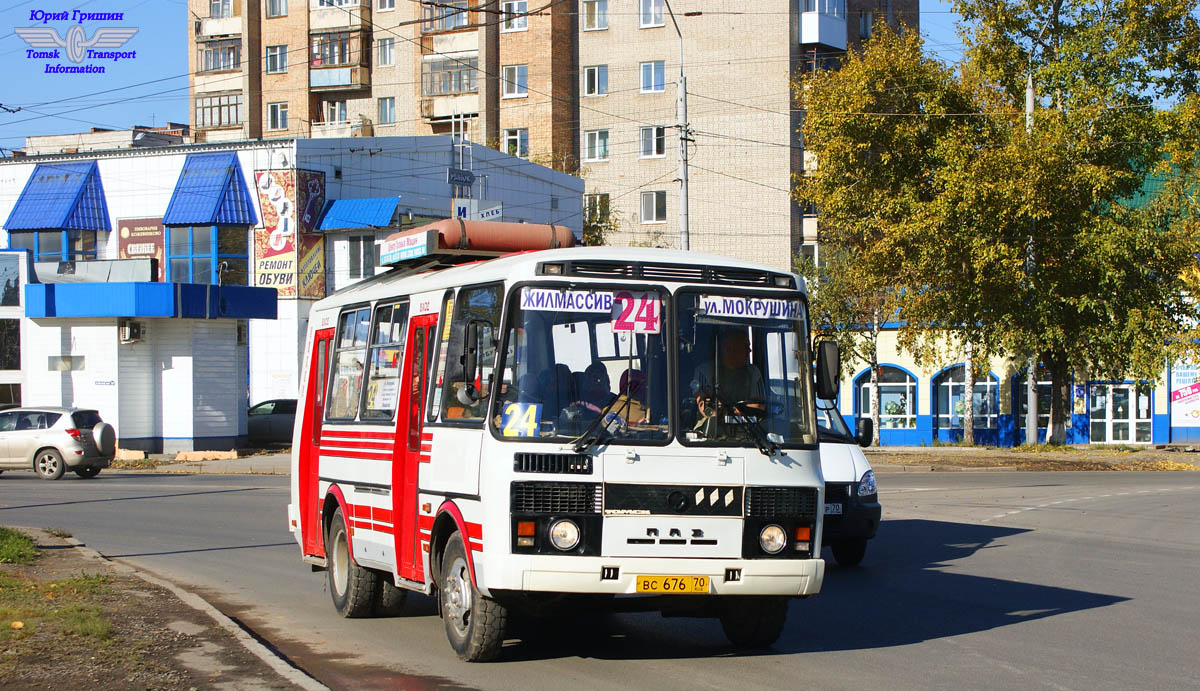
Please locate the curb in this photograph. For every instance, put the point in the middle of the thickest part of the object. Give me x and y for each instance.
(281, 666)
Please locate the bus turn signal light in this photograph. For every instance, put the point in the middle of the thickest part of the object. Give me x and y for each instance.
(803, 533)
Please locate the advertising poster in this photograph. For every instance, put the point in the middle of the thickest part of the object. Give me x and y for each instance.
(1185, 395)
(310, 199)
(275, 242)
(142, 238)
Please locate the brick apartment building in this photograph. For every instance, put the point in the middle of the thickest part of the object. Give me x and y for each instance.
(588, 83)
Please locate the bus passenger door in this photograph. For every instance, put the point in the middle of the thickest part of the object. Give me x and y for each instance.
(415, 449)
(309, 465)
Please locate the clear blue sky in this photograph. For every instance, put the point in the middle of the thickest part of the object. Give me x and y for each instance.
(151, 88)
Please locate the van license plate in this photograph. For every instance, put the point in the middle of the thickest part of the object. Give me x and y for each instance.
(833, 509)
(672, 584)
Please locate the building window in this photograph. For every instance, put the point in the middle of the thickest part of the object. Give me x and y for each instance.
(653, 80)
(337, 3)
(219, 9)
(595, 15)
(833, 8)
(449, 76)
(515, 17)
(219, 111)
(651, 13)
(334, 111)
(516, 142)
(218, 56)
(516, 81)
(332, 49)
(387, 110)
(276, 8)
(595, 80)
(56, 245)
(654, 207)
(386, 52)
(386, 5)
(207, 254)
(865, 21)
(277, 116)
(653, 142)
(949, 388)
(595, 145)
(595, 208)
(276, 59)
(897, 398)
(361, 249)
(443, 15)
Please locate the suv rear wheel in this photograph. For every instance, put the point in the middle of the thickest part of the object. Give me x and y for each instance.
(87, 472)
(49, 464)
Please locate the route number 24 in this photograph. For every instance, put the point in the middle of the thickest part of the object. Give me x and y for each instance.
(637, 312)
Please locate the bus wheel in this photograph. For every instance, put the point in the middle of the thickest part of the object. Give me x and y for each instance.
(474, 623)
(753, 621)
(850, 552)
(352, 587)
(390, 601)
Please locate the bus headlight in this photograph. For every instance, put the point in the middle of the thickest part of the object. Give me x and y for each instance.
(564, 535)
(772, 539)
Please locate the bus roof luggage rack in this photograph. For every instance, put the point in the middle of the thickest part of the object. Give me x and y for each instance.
(454, 241)
(718, 275)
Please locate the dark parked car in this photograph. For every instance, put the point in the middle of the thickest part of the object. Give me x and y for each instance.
(271, 421)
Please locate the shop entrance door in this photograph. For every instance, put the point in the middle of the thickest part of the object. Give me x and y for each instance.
(1119, 414)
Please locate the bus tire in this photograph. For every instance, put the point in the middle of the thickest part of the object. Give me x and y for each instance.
(474, 623)
(390, 602)
(352, 587)
(753, 621)
(850, 551)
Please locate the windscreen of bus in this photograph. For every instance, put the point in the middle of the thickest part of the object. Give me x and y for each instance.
(744, 369)
(574, 354)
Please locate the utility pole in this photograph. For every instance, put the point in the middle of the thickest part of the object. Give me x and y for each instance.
(1031, 412)
(684, 135)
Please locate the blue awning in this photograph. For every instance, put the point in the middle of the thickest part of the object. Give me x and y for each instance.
(149, 299)
(372, 212)
(61, 196)
(211, 191)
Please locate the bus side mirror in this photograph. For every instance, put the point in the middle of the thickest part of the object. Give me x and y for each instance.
(865, 429)
(467, 394)
(828, 369)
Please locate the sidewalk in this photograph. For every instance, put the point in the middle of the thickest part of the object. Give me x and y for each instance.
(266, 464)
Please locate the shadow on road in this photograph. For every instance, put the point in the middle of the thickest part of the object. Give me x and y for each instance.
(131, 498)
(906, 592)
(200, 549)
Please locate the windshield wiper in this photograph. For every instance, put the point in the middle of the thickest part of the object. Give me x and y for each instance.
(595, 431)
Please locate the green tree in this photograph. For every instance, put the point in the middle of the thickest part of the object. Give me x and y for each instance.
(931, 180)
(1107, 283)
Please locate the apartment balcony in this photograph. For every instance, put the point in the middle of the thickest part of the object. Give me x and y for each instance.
(339, 78)
(220, 26)
(359, 127)
(823, 22)
(345, 14)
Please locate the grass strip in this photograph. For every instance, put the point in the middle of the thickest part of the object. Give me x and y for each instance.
(16, 548)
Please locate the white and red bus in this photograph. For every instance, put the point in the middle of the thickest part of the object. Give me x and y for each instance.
(630, 428)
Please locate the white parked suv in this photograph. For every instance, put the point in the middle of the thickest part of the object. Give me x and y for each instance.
(52, 440)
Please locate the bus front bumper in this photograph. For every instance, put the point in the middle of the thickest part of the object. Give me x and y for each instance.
(600, 575)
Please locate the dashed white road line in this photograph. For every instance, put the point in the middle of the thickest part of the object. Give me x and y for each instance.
(1023, 509)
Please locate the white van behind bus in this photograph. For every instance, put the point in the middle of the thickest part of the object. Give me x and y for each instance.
(852, 509)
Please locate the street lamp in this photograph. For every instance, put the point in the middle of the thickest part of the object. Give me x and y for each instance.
(684, 133)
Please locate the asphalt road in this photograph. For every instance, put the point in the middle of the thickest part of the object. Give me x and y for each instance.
(986, 580)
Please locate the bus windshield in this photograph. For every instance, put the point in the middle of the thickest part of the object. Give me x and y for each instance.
(574, 354)
(744, 370)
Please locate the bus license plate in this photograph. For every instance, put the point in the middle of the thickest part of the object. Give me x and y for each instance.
(833, 509)
(672, 584)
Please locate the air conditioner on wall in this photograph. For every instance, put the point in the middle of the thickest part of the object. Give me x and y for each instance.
(130, 331)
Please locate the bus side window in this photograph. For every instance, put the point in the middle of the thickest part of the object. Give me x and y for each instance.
(348, 361)
(479, 304)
